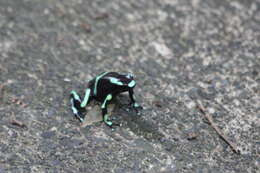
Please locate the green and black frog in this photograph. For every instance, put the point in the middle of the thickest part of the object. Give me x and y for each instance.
(104, 88)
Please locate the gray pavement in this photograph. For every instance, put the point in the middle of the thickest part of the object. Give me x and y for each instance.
(181, 51)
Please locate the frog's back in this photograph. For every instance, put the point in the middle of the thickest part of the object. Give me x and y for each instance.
(91, 83)
(109, 83)
(97, 83)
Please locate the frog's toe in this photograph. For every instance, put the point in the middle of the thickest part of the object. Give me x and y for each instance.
(113, 118)
(109, 123)
(136, 106)
(139, 107)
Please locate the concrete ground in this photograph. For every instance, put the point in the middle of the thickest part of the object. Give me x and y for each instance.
(181, 51)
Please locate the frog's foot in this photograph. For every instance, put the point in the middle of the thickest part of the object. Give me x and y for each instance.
(109, 123)
(75, 106)
(137, 107)
(113, 118)
(79, 117)
(77, 114)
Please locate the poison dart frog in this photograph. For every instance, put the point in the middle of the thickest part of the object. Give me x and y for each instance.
(104, 88)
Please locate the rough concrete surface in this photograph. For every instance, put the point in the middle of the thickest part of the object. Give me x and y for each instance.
(181, 51)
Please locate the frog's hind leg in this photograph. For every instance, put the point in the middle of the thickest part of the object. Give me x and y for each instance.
(86, 99)
(78, 106)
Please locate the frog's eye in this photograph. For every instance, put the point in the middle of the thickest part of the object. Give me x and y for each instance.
(130, 75)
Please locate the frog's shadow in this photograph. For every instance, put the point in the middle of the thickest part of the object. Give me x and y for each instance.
(129, 118)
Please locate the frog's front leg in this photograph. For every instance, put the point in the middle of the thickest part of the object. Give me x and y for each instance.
(77, 105)
(132, 98)
(106, 119)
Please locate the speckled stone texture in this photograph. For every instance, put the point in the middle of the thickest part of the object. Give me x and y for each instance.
(181, 51)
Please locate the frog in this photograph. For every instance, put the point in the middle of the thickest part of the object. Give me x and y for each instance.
(103, 88)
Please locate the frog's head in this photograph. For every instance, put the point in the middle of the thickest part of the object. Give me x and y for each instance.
(130, 80)
(130, 76)
(127, 79)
